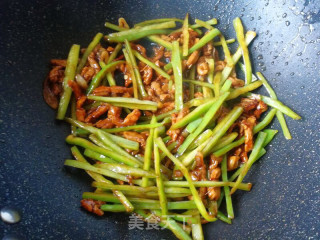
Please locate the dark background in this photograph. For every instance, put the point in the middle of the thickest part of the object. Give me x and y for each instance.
(284, 201)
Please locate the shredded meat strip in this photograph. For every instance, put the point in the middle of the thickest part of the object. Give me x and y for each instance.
(131, 119)
(214, 175)
(92, 206)
(107, 91)
(135, 136)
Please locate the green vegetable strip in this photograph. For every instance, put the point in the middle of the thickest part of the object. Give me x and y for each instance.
(138, 189)
(216, 83)
(108, 197)
(131, 103)
(115, 147)
(89, 167)
(223, 218)
(177, 71)
(204, 40)
(237, 173)
(135, 69)
(173, 226)
(170, 148)
(194, 115)
(115, 156)
(186, 174)
(160, 41)
(112, 56)
(114, 27)
(69, 74)
(242, 90)
(203, 84)
(207, 93)
(212, 21)
(261, 125)
(185, 32)
(221, 128)
(226, 51)
(203, 24)
(227, 70)
(123, 142)
(89, 49)
(151, 64)
(228, 41)
(73, 115)
(241, 39)
(133, 127)
(101, 74)
(105, 138)
(126, 170)
(204, 136)
(226, 189)
(192, 75)
(193, 125)
(242, 186)
(279, 114)
(137, 33)
(225, 141)
(148, 153)
(154, 21)
(99, 178)
(226, 86)
(129, 64)
(252, 158)
(197, 233)
(243, 69)
(148, 206)
(280, 106)
(206, 119)
(159, 180)
(97, 156)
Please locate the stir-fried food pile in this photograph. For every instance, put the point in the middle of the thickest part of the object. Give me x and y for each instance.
(166, 129)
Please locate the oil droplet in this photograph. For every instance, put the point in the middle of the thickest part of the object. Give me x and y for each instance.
(259, 18)
(291, 74)
(284, 15)
(278, 74)
(263, 68)
(261, 64)
(275, 57)
(286, 63)
(272, 63)
(299, 54)
(11, 237)
(267, 4)
(260, 57)
(318, 53)
(242, 10)
(252, 18)
(302, 87)
(10, 215)
(241, 15)
(287, 23)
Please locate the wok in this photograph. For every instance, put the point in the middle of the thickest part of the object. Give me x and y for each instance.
(284, 201)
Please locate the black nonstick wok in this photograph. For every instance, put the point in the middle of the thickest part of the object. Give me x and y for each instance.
(284, 201)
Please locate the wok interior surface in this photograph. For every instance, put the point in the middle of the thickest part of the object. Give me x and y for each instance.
(284, 201)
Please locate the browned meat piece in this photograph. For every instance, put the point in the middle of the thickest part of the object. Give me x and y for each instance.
(158, 53)
(106, 91)
(140, 49)
(56, 74)
(193, 58)
(92, 206)
(261, 108)
(137, 137)
(102, 109)
(202, 66)
(75, 88)
(236, 82)
(105, 123)
(131, 118)
(49, 95)
(247, 126)
(58, 62)
(199, 173)
(87, 73)
(248, 104)
(214, 175)
(147, 73)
